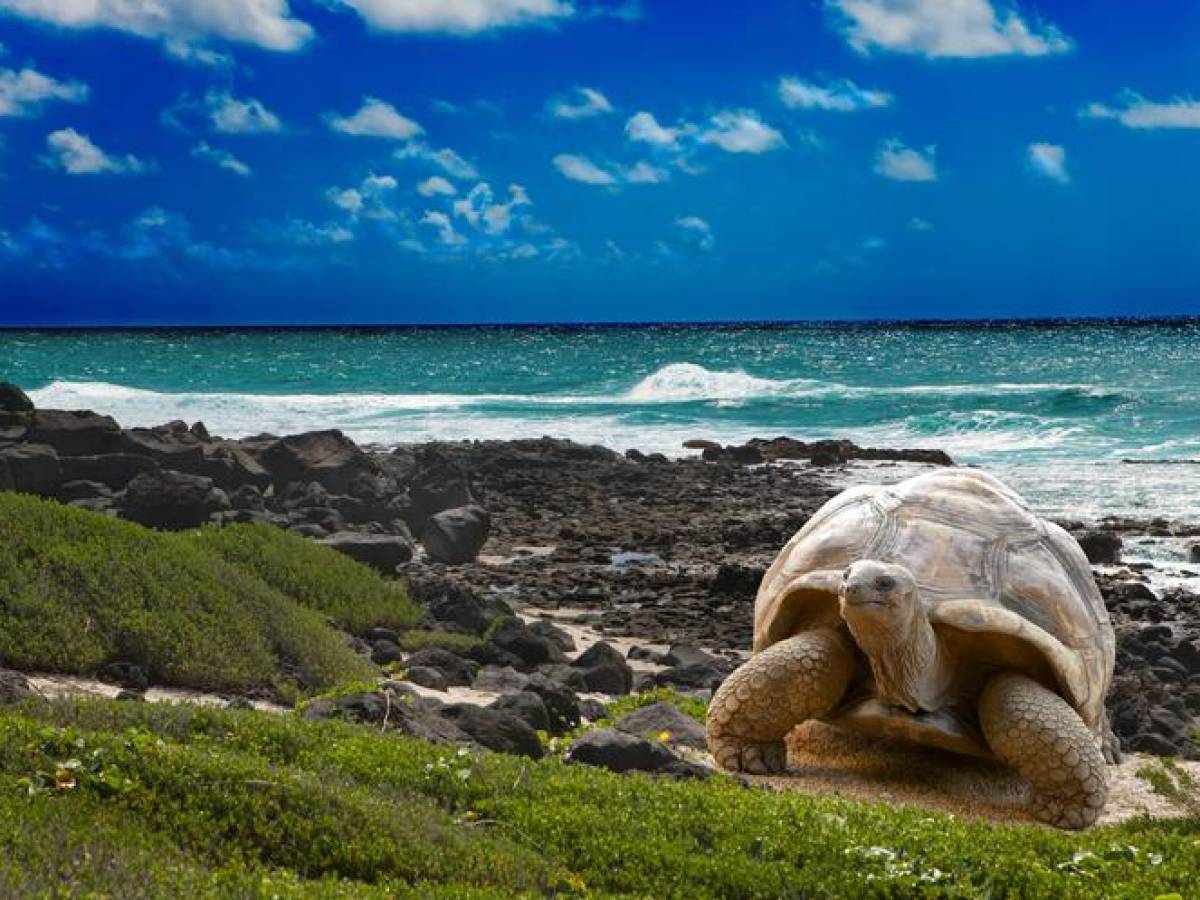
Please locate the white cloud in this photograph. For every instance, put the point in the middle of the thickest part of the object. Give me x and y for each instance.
(480, 209)
(580, 168)
(944, 28)
(916, 223)
(642, 126)
(346, 199)
(436, 185)
(900, 163)
(445, 159)
(1135, 111)
(235, 115)
(1049, 161)
(378, 119)
(23, 93)
(464, 17)
(447, 234)
(222, 158)
(75, 154)
(265, 23)
(741, 131)
(697, 233)
(644, 173)
(581, 103)
(836, 96)
(367, 200)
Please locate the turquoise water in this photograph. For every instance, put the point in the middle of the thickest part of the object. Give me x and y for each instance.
(1053, 408)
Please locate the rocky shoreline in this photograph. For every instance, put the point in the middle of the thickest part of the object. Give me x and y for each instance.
(664, 552)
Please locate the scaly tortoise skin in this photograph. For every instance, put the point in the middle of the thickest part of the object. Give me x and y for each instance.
(943, 611)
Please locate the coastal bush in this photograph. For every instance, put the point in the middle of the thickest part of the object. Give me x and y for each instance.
(420, 639)
(354, 596)
(78, 590)
(206, 798)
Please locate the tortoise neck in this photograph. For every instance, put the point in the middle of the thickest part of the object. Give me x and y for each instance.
(908, 666)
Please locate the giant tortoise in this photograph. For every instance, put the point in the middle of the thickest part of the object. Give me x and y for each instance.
(939, 610)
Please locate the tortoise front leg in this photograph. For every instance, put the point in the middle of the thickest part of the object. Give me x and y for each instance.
(765, 698)
(1038, 733)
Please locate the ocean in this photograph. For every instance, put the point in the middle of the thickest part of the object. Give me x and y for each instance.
(1057, 409)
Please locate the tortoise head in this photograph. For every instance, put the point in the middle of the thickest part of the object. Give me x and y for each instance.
(879, 598)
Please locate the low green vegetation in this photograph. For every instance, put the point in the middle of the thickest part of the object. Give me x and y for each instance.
(1170, 780)
(352, 595)
(418, 639)
(144, 800)
(237, 610)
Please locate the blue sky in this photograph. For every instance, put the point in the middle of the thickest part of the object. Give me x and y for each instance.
(411, 161)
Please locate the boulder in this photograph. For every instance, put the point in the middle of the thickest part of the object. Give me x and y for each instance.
(327, 457)
(401, 714)
(427, 677)
(458, 671)
(75, 433)
(172, 500)
(455, 536)
(172, 446)
(620, 752)
(14, 687)
(1100, 547)
(458, 607)
(499, 679)
(698, 676)
(383, 552)
(113, 469)
(495, 729)
(1194, 553)
(513, 636)
(384, 651)
(249, 498)
(526, 706)
(437, 487)
(231, 468)
(604, 669)
(562, 706)
(557, 636)
(126, 674)
(660, 719)
(31, 469)
(82, 490)
(16, 409)
(688, 655)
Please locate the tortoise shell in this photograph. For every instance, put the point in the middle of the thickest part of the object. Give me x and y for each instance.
(986, 566)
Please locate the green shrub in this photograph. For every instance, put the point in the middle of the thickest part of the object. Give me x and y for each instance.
(81, 589)
(418, 639)
(328, 809)
(354, 596)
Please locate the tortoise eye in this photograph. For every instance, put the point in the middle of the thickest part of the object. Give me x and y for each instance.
(885, 583)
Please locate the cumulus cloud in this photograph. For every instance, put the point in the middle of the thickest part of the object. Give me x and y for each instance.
(643, 127)
(462, 17)
(23, 92)
(580, 168)
(944, 28)
(836, 96)
(644, 173)
(480, 209)
(445, 159)
(696, 233)
(377, 119)
(741, 131)
(236, 115)
(221, 158)
(1135, 111)
(901, 163)
(446, 233)
(368, 199)
(436, 185)
(580, 103)
(75, 154)
(1049, 161)
(265, 23)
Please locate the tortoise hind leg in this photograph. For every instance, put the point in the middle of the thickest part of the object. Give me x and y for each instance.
(1038, 733)
(765, 698)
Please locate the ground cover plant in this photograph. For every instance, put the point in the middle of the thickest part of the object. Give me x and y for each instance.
(222, 802)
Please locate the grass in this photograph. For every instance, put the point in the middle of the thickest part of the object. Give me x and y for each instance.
(147, 800)
(419, 639)
(235, 610)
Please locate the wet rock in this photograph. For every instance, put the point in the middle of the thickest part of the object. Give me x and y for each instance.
(31, 469)
(660, 719)
(455, 536)
(457, 671)
(172, 500)
(384, 553)
(604, 669)
(526, 706)
(495, 729)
